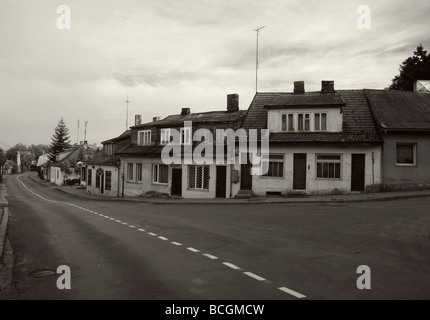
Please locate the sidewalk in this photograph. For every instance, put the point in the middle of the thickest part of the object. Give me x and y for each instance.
(356, 197)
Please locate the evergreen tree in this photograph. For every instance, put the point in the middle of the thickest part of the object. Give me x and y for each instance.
(60, 140)
(413, 68)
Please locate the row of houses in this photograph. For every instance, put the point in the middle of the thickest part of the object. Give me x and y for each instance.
(329, 141)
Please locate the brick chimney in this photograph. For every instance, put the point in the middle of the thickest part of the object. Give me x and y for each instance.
(185, 111)
(327, 86)
(233, 102)
(137, 119)
(155, 119)
(299, 87)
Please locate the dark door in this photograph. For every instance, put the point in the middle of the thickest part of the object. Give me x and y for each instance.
(357, 172)
(221, 178)
(177, 182)
(102, 183)
(245, 177)
(299, 173)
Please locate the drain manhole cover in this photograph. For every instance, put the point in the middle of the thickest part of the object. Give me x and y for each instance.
(42, 273)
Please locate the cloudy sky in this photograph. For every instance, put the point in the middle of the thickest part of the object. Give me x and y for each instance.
(170, 54)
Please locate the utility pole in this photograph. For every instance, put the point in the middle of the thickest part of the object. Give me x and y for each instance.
(256, 58)
(126, 117)
(77, 138)
(85, 132)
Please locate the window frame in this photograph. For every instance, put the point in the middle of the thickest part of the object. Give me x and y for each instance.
(183, 133)
(278, 159)
(414, 154)
(287, 124)
(329, 161)
(164, 136)
(320, 121)
(108, 182)
(156, 173)
(205, 171)
(130, 165)
(139, 174)
(147, 137)
(90, 177)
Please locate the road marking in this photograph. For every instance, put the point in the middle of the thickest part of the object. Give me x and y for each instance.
(163, 238)
(118, 221)
(292, 292)
(210, 256)
(152, 234)
(192, 249)
(176, 243)
(124, 223)
(142, 230)
(132, 226)
(231, 265)
(253, 275)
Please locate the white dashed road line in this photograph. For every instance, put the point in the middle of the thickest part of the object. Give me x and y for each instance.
(292, 292)
(192, 249)
(163, 238)
(152, 234)
(231, 265)
(253, 275)
(177, 243)
(210, 256)
(141, 230)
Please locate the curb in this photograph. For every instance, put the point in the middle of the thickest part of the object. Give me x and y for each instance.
(3, 231)
(250, 201)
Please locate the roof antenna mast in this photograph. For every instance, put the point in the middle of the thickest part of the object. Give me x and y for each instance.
(126, 116)
(256, 58)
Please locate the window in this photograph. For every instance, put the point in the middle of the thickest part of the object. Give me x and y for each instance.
(89, 177)
(130, 173)
(320, 121)
(139, 172)
(97, 180)
(185, 135)
(165, 136)
(160, 173)
(303, 120)
(198, 177)
(276, 166)
(406, 154)
(287, 122)
(108, 148)
(144, 138)
(328, 166)
(108, 180)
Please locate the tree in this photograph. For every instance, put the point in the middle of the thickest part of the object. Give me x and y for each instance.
(2, 160)
(11, 153)
(413, 68)
(60, 140)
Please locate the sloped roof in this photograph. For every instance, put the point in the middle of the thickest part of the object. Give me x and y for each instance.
(310, 99)
(358, 124)
(400, 110)
(75, 152)
(142, 150)
(202, 117)
(125, 135)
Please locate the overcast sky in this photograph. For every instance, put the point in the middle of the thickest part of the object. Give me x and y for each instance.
(170, 54)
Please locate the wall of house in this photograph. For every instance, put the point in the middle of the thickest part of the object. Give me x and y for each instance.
(57, 176)
(135, 188)
(334, 118)
(116, 177)
(261, 184)
(407, 174)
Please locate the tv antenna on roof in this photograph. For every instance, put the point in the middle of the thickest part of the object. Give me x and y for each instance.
(256, 58)
(126, 117)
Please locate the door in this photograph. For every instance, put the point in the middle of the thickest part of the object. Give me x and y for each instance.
(245, 177)
(221, 179)
(102, 183)
(357, 172)
(176, 182)
(299, 171)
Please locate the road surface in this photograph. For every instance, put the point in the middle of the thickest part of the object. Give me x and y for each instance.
(129, 250)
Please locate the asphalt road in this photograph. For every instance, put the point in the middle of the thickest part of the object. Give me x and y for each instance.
(128, 250)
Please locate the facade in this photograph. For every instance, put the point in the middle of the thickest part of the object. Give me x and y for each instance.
(103, 175)
(145, 174)
(403, 119)
(320, 142)
(69, 165)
